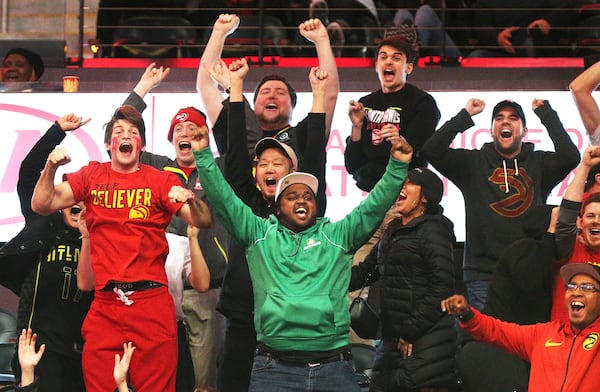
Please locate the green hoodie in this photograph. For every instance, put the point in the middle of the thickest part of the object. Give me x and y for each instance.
(300, 279)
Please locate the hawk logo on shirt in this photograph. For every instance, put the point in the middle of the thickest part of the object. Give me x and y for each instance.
(139, 212)
(520, 195)
(590, 341)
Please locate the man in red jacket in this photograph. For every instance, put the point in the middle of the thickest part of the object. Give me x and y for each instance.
(563, 357)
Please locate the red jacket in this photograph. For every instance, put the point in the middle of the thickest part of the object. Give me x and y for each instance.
(560, 359)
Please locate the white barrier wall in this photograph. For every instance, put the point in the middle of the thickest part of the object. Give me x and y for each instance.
(26, 116)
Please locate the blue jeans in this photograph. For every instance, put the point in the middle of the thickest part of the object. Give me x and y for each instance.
(430, 32)
(271, 375)
(477, 293)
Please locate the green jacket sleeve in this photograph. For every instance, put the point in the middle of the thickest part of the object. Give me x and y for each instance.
(233, 213)
(361, 223)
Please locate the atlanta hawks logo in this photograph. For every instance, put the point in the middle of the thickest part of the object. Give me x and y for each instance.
(520, 194)
(590, 341)
(182, 117)
(139, 212)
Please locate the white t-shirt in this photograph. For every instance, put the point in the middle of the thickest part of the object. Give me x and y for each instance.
(178, 266)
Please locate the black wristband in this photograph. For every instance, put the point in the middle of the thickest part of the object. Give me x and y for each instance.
(466, 317)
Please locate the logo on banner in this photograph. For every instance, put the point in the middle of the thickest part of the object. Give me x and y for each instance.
(23, 127)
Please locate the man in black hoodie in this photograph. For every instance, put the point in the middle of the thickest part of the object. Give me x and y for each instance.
(500, 181)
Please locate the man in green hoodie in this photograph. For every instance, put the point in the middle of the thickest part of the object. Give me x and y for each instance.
(300, 269)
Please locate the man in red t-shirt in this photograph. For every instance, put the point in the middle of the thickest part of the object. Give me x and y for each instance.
(128, 206)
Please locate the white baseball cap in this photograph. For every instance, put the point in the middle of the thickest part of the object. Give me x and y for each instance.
(297, 178)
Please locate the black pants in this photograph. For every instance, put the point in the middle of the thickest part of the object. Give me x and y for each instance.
(237, 357)
(185, 368)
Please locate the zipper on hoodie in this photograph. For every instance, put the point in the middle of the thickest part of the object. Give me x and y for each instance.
(562, 387)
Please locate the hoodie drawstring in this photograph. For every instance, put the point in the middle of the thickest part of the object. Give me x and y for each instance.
(506, 189)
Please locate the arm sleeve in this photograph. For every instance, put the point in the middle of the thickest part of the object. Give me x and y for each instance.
(354, 157)
(362, 221)
(314, 155)
(33, 164)
(136, 101)
(516, 339)
(422, 126)
(566, 228)
(448, 161)
(566, 156)
(365, 272)
(221, 128)
(237, 218)
(238, 162)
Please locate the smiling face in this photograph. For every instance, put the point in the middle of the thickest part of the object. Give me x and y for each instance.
(589, 225)
(508, 132)
(583, 307)
(125, 146)
(16, 68)
(392, 68)
(410, 203)
(297, 207)
(273, 105)
(273, 164)
(182, 140)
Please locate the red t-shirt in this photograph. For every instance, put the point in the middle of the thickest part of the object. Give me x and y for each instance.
(126, 215)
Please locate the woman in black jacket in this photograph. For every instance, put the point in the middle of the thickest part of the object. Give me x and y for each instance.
(414, 261)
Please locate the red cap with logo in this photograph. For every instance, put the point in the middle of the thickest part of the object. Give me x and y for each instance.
(187, 114)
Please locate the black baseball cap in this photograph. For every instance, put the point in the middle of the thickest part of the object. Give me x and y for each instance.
(507, 102)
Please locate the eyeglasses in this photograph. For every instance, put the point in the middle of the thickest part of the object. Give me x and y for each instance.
(584, 287)
(75, 210)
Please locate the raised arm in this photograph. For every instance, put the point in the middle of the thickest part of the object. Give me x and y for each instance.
(48, 198)
(199, 277)
(28, 357)
(314, 31)
(34, 162)
(566, 157)
(195, 211)
(575, 190)
(437, 149)
(150, 79)
(85, 273)
(205, 85)
(582, 88)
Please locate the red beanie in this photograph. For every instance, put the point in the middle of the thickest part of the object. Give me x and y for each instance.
(187, 114)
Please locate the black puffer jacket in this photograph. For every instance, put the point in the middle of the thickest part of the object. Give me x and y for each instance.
(415, 265)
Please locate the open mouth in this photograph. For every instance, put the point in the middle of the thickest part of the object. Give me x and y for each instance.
(271, 106)
(301, 212)
(388, 72)
(506, 133)
(126, 147)
(577, 306)
(595, 231)
(270, 181)
(185, 145)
